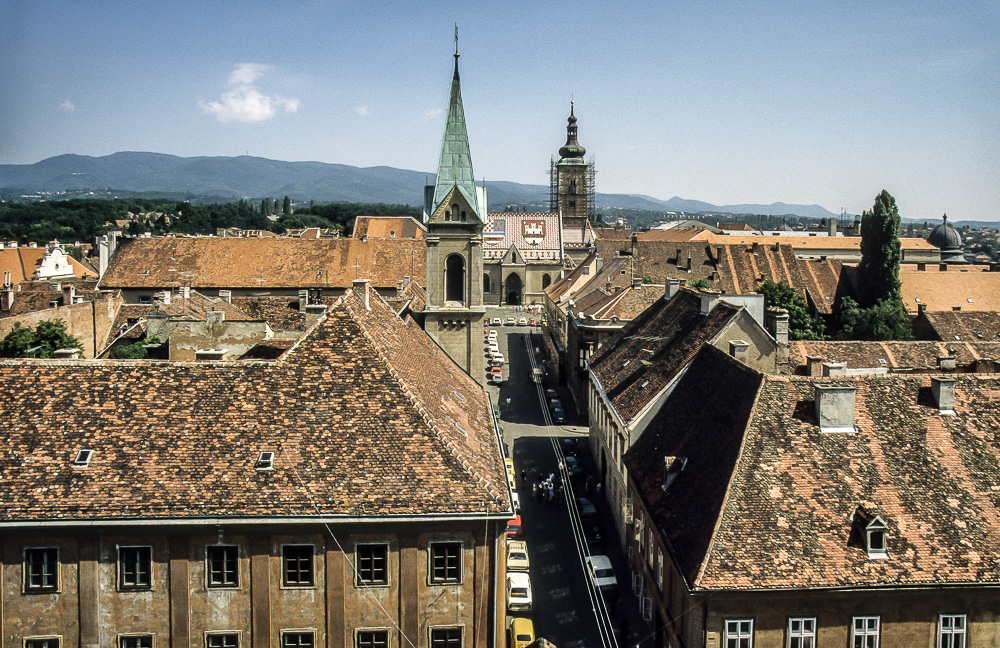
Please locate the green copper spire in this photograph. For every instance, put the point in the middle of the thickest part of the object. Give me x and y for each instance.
(455, 166)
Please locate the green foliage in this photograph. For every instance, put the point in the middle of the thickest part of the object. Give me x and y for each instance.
(699, 284)
(42, 342)
(286, 206)
(801, 325)
(878, 271)
(135, 351)
(886, 319)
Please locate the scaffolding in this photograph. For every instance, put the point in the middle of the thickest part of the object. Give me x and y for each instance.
(589, 197)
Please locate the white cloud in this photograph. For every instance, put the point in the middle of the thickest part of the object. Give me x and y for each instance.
(361, 111)
(243, 102)
(67, 105)
(431, 114)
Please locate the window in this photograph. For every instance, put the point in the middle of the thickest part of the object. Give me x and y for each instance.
(265, 461)
(298, 565)
(801, 633)
(371, 639)
(372, 565)
(223, 566)
(875, 534)
(135, 566)
(135, 641)
(487, 284)
(41, 569)
(446, 562)
(446, 638)
(222, 640)
(297, 639)
(865, 634)
(951, 631)
(659, 568)
(42, 642)
(145, 299)
(82, 459)
(739, 634)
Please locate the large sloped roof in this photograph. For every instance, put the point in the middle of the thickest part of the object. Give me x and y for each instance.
(359, 426)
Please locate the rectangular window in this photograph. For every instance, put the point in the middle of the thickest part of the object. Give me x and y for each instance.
(223, 566)
(951, 630)
(297, 640)
(371, 639)
(41, 569)
(802, 633)
(222, 640)
(298, 565)
(372, 564)
(446, 638)
(866, 632)
(739, 634)
(135, 567)
(42, 642)
(446, 562)
(135, 641)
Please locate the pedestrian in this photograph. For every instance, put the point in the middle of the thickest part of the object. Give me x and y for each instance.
(598, 488)
(524, 477)
(534, 491)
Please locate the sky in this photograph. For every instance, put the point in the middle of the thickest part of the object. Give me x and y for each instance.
(727, 102)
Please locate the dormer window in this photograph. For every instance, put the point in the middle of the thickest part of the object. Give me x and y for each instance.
(875, 537)
(82, 459)
(265, 461)
(672, 468)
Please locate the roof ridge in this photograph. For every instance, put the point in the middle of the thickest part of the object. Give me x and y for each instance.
(423, 411)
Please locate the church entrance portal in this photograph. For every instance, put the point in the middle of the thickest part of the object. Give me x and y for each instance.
(513, 289)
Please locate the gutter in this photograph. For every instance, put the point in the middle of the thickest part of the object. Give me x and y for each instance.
(266, 521)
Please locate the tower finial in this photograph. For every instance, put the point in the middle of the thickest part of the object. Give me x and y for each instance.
(456, 50)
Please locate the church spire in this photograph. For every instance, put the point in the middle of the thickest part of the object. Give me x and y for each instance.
(455, 165)
(572, 148)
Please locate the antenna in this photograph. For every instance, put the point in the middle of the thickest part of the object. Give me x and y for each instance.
(456, 39)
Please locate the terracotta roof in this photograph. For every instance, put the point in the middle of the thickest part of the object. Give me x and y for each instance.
(823, 283)
(766, 500)
(970, 326)
(534, 234)
(891, 356)
(359, 425)
(22, 262)
(281, 313)
(736, 227)
(622, 304)
(942, 291)
(673, 235)
(613, 233)
(809, 242)
(573, 280)
(388, 227)
(197, 306)
(270, 349)
(261, 263)
(34, 296)
(648, 353)
(410, 297)
(577, 232)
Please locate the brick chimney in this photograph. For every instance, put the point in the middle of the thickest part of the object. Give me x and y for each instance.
(69, 295)
(709, 299)
(834, 369)
(66, 354)
(835, 408)
(739, 349)
(814, 366)
(165, 297)
(362, 288)
(946, 363)
(226, 296)
(831, 226)
(776, 322)
(186, 292)
(215, 317)
(636, 283)
(943, 389)
(673, 286)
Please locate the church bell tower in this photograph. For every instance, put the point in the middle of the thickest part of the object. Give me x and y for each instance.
(571, 190)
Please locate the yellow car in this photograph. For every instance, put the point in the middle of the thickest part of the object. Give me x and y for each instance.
(510, 469)
(520, 633)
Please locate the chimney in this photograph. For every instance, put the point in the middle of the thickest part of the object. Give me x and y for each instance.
(689, 262)
(673, 285)
(832, 226)
(994, 266)
(636, 283)
(739, 349)
(776, 321)
(956, 308)
(921, 267)
(943, 267)
(718, 254)
(69, 295)
(406, 281)
(944, 394)
(814, 366)
(303, 300)
(946, 363)
(6, 297)
(186, 292)
(835, 408)
(215, 317)
(755, 245)
(362, 287)
(66, 354)
(709, 299)
(165, 297)
(921, 308)
(834, 369)
(226, 296)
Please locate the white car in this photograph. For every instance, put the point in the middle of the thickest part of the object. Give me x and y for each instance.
(498, 357)
(601, 574)
(523, 321)
(515, 501)
(492, 335)
(518, 592)
(511, 321)
(496, 321)
(517, 556)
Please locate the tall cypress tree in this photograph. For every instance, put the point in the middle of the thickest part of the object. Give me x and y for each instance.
(878, 272)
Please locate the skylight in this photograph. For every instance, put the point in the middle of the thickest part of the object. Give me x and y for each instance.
(265, 461)
(83, 458)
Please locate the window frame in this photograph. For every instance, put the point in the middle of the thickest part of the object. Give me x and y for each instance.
(359, 580)
(742, 640)
(137, 636)
(952, 632)
(802, 633)
(124, 586)
(359, 631)
(28, 641)
(209, 570)
(297, 632)
(866, 631)
(285, 583)
(223, 633)
(432, 567)
(26, 565)
(446, 642)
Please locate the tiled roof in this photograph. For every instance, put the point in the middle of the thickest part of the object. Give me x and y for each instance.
(577, 232)
(823, 283)
(34, 296)
(891, 356)
(197, 306)
(411, 297)
(969, 326)
(22, 262)
(573, 280)
(534, 234)
(262, 264)
(388, 227)
(613, 233)
(784, 517)
(809, 242)
(641, 359)
(359, 425)
(743, 268)
(672, 235)
(942, 291)
(620, 303)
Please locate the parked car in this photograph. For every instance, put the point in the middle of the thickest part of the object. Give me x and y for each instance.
(518, 592)
(514, 528)
(511, 321)
(498, 357)
(555, 403)
(571, 446)
(486, 322)
(492, 335)
(532, 322)
(558, 415)
(592, 530)
(586, 508)
(551, 393)
(515, 501)
(601, 574)
(520, 633)
(517, 555)
(496, 375)
(496, 321)
(522, 321)
(573, 466)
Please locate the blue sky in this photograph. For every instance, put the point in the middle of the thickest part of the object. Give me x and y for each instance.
(726, 102)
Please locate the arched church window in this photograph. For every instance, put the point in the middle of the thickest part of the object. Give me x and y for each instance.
(454, 279)
(463, 216)
(546, 280)
(487, 284)
(572, 186)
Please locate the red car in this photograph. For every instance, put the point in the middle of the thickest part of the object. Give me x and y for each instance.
(514, 528)
(532, 322)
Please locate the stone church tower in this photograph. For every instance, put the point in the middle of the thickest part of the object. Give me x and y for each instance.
(455, 211)
(571, 191)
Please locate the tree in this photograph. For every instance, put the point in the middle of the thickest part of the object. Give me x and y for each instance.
(878, 272)
(885, 320)
(42, 342)
(286, 206)
(801, 325)
(699, 284)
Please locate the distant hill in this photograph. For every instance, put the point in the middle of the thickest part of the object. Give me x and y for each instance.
(253, 177)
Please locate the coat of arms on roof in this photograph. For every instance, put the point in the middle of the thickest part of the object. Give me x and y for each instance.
(494, 231)
(534, 231)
